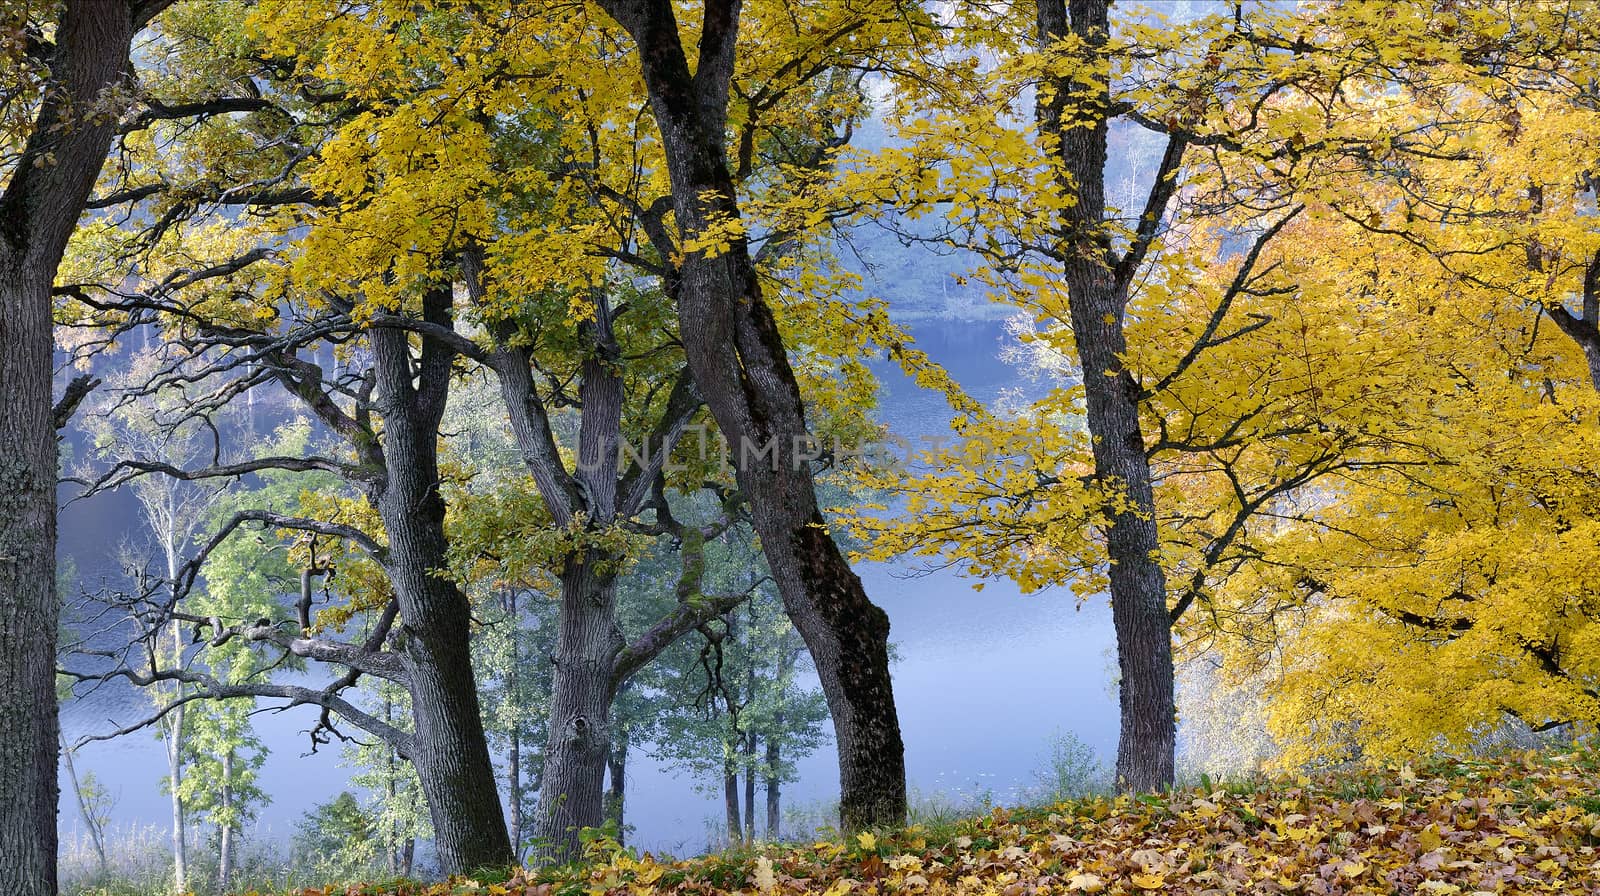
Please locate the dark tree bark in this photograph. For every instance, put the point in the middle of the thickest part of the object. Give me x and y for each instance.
(1584, 329)
(47, 192)
(591, 660)
(750, 785)
(730, 797)
(774, 796)
(423, 641)
(742, 369)
(1097, 285)
(587, 642)
(451, 753)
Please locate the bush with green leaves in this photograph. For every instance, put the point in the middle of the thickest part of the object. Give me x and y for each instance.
(1071, 770)
(337, 840)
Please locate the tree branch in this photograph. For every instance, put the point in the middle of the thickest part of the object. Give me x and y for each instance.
(682, 405)
(1241, 279)
(208, 688)
(159, 111)
(76, 392)
(129, 470)
(1154, 209)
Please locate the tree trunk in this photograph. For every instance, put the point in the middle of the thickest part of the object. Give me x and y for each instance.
(28, 600)
(617, 775)
(225, 830)
(180, 840)
(434, 639)
(451, 755)
(1097, 300)
(514, 782)
(408, 857)
(172, 731)
(96, 835)
(572, 795)
(774, 814)
(730, 795)
(48, 187)
(741, 367)
(750, 785)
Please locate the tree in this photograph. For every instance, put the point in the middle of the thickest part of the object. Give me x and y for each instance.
(397, 485)
(1464, 577)
(336, 839)
(736, 715)
(397, 809)
(222, 761)
(726, 707)
(584, 334)
(1098, 283)
(517, 699)
(94, 803)
(742, 368)
(396, 472)
(175, 512)
(60, 117)
(223, 754)
(1155, 469)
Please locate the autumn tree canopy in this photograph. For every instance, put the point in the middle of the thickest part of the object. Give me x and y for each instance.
(1321, 370)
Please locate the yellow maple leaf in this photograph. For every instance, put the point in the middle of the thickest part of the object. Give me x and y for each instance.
(1149, 881)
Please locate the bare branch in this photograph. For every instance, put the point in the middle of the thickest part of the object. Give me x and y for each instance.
(76, 392)
(129, 470)
(208, 688)
(368, 660)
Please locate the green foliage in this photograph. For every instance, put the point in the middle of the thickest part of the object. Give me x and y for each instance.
(396, 811)
(737, 679)
(222, 759)
(1071, 771)
(338, 840)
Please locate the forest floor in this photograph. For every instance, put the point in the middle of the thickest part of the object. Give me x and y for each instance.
(1518, 824)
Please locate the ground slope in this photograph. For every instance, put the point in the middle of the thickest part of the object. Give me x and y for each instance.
(1526, 824)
